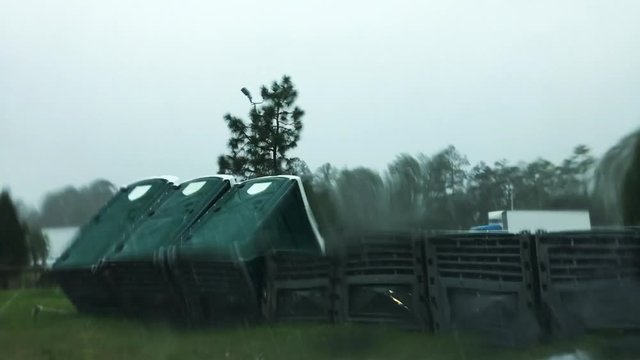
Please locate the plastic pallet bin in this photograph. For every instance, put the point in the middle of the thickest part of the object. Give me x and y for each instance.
(300, 288)
(220, 263)
(77, 269)
(590, 280)
(482, 283)
(137, 267)
(382, 280)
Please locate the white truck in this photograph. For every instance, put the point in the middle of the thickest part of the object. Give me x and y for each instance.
(515, 221)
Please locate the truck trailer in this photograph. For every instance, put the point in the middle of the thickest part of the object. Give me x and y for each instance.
(516, 221)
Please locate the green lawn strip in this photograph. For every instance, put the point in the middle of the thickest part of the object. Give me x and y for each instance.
(64, 334)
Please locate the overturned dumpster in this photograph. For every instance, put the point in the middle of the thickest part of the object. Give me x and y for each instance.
(77, 269)
(219, 264)
(136, 268)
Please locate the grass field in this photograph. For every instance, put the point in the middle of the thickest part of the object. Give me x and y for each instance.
(64, 334)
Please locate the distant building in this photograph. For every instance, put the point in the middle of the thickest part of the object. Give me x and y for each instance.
(59, 239)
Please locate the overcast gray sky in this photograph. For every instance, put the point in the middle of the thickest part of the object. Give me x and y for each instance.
(132, 88)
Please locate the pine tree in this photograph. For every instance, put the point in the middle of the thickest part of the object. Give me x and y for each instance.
(14, 252)
(259, 147)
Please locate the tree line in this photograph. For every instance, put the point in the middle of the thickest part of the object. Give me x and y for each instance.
(73, 206)
(440, 191)
(444, 191)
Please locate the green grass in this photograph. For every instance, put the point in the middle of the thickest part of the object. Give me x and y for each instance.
(68, 335)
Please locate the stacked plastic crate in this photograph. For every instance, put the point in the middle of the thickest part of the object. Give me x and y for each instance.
(482, 282)
(382, 280)
(301, 287)
(590, 280)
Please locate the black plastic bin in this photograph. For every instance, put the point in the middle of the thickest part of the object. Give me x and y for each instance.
(381, 279)
(482, 283)
(300, 288)
(590, 280)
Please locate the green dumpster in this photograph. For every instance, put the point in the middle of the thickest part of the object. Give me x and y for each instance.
(219, 262)
(135, 268)
(77, 268)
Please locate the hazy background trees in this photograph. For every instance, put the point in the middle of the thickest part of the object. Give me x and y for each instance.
(437, 191)
(444, 191)
(72, 206)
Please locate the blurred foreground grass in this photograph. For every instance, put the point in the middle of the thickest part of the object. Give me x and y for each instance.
(69, 335)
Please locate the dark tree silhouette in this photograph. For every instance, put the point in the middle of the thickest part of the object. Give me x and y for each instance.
(14, 252)
(631, 188)
(259, 147)
(617, 182)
